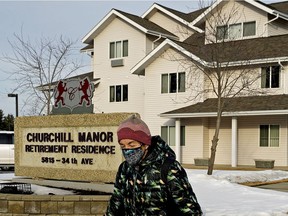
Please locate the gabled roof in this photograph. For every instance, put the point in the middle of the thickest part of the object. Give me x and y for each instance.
(154, 54)
(184, 18)
(253, 51)
(260, 5)
(141, 24)
(237, 106)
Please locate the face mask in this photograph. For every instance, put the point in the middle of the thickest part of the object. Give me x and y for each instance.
(133, 156)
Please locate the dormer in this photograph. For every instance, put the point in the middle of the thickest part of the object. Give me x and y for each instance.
(239, 20)
(174, 21)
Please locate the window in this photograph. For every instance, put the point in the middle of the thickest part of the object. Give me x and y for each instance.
(269, 135)
(270, 77)
(173, 82)
(236, 31)
(118, 93)
(249, 29)
(6, 138)
(119, 49)
(168, 135)
(222, 32)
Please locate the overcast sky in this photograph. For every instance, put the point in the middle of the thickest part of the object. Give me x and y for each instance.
(72, 19)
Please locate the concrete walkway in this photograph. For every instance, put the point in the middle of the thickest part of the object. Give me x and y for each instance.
(283, 186)
(229, 167)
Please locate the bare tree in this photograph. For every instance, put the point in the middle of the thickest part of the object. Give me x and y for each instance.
(40, 63)
(219, 66)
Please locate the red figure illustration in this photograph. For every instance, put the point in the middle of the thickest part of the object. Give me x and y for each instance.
(61, 88)
(84, 88)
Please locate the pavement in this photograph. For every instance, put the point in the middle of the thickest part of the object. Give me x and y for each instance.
(283, 186)
(228, 167)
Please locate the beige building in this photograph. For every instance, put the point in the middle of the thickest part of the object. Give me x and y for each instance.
(162, 65)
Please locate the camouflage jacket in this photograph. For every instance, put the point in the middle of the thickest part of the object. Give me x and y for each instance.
(140, 191)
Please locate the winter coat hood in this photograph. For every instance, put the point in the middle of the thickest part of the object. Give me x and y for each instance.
(157, 152)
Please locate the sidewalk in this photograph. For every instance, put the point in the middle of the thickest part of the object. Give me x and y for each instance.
(229, 167)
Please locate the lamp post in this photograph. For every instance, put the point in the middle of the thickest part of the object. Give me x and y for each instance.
(16, 100)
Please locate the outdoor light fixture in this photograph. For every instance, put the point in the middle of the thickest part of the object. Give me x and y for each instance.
(16, 100)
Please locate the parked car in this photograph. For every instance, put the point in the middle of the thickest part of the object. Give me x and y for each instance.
(6, 150)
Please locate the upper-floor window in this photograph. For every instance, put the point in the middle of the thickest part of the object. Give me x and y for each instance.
(173, 82)
(118, 49)
(168, 135)
(270, 77)
(118, 93)
(236, 31)
(269, 135)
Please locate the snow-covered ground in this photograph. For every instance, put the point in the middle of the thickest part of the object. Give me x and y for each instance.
(220, 194)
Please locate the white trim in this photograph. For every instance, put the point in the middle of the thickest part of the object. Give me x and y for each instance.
(102, 21)
(207, 11)
(255, 61)
(114, 12)
(177, 140)
(158, 7)
(165, 44)
(234, 142)
(6, 132)
(228, 114)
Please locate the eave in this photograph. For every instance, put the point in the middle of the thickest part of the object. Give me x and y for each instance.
(225, 114)
(88, 38)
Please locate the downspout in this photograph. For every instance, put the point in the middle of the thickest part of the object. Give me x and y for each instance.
(160, 36)
(283, 77)
(281, 65)
(270, 21)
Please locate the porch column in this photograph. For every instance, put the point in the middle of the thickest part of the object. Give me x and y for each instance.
(177, 140)
(234, 142)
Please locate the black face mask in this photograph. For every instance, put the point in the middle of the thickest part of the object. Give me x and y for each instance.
(133, 156)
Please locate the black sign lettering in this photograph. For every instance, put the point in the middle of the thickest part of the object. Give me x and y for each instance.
(95, 137)
(87, 161)
(49, 137)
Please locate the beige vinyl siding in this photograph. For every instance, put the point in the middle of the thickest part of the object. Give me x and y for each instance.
(277, 27)
(284, 77)
(171, 25)
(195, 136)
(255, 87)
(249, 146)
(118, 30)
(155, 102)
(207, 141)
(223, 153)
(248, 140)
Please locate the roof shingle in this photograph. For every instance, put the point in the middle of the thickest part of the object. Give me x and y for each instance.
(239, 50)
(237, 104)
